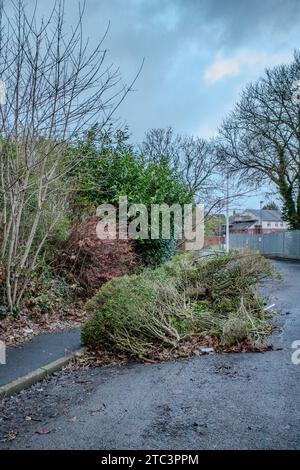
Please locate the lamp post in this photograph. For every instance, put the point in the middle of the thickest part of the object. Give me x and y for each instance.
(227, 246)
(260, 213)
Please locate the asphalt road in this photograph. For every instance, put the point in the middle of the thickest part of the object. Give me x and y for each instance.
(227, 401)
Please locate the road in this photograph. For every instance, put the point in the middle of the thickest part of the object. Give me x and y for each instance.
(225, 401)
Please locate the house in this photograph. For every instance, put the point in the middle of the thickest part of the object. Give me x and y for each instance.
(257, 221)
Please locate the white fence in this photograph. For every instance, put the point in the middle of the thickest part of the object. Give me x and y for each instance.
(279, 244)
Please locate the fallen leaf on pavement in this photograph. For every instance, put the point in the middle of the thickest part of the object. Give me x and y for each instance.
(97, 410)
(45, 431)
(10, 435)
(3, 418)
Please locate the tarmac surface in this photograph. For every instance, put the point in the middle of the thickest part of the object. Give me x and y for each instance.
(216, 401)
(37, 353)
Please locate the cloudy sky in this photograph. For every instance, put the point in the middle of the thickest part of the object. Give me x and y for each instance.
(198, 54)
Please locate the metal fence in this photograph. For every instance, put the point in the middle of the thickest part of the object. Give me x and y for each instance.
(279, 244)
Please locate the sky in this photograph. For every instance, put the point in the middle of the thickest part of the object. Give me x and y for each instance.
(199, 54)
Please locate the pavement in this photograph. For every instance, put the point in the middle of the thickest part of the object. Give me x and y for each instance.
(38, 352)
(216, 401)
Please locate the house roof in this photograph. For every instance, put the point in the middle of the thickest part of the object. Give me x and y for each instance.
(267, 215)
(240, 225)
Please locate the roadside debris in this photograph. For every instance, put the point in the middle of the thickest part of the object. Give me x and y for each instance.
(15, 330)
(45, 431)
(165, 311)
(269, 307)
(207, 350)
(10, 435)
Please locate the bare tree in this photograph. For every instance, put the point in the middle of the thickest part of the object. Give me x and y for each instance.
(260, 139)
(161, 143)
(271, 205)
(193, 158)
(56, 88)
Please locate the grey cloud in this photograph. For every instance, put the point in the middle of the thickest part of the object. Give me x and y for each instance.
(179, 39)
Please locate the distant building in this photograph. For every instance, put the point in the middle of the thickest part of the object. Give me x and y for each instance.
(257, 221)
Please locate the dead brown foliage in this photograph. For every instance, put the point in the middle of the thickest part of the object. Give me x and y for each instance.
(90, 261)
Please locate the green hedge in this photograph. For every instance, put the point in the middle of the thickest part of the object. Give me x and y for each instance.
(161, 308)
(109, 171)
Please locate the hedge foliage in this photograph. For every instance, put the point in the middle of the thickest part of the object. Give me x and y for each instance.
(110, 170)
(187, 296)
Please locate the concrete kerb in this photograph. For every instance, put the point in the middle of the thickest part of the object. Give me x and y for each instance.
(38, 374)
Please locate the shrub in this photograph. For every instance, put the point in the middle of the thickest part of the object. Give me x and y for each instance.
(111, 170)
(155, 252)
(89, 261)
(48, 294)
(162, 308)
